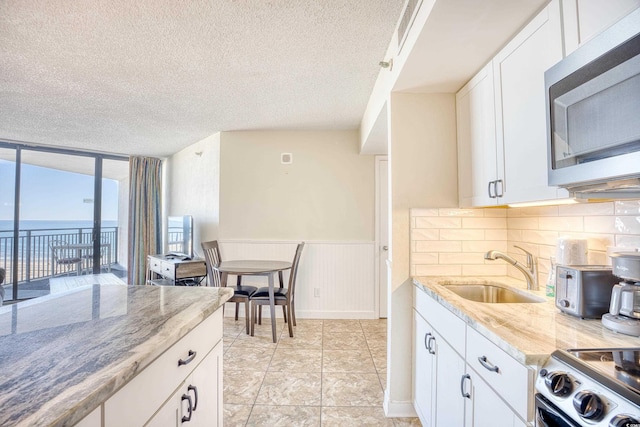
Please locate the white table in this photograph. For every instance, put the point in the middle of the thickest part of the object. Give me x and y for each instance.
(61, 284)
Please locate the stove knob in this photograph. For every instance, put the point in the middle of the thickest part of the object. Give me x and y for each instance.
(588, 405)
(564, 303)
(559, 383)
(622, 421)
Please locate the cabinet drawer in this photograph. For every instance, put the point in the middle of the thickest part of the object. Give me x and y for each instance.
(191, 269)
(139, 399)
(155, 265)
(168, 270)
(513, 381)
(448, 325)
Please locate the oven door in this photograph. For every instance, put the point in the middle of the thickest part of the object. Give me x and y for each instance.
(547, 415)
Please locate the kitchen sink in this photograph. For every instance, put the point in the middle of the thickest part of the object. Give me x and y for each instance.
(491, 294)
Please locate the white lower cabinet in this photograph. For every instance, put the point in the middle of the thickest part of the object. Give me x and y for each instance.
(94, 419)
(461, 378)
(484, 407)
(192, 367)
(424, 370)
(196, 402)
(450, 368)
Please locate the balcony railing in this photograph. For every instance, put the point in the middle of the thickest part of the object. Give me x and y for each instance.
(34, 250)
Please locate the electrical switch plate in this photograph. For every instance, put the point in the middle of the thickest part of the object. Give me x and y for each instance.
(316, 292)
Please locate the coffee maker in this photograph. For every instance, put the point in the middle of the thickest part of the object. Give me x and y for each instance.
(624, 309)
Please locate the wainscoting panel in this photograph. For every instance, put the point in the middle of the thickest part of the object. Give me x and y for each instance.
(341, 274)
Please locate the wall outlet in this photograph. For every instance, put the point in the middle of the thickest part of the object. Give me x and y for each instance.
(316, 292)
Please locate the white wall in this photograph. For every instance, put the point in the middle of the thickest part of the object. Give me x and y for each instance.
(240, 194)
(326, 194)
(423, 173)
(193, 187)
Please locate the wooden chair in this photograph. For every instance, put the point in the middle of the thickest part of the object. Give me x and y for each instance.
(64, 257)
(282, 296)
(240, 293)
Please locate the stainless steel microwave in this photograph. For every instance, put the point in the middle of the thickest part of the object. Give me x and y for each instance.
(593, 113)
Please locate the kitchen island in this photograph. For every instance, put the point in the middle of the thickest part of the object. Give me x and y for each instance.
(81, 353)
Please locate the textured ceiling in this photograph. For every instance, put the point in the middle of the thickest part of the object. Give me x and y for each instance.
(154, 76)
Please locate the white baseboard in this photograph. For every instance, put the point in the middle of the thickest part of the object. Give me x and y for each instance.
(230, 311)
(401, 409)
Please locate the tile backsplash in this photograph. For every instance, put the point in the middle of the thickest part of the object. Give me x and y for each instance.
(452, 242)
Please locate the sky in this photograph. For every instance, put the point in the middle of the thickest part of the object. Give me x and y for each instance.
(50, 194)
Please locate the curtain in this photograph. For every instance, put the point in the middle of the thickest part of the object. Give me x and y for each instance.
(145, 221)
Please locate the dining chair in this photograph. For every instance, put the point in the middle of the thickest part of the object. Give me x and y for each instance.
(241, 294)
(282, 296)
(64, 257)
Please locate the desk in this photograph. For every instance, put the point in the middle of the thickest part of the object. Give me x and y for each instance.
(169, 270)
(80, 249)
(255, 268)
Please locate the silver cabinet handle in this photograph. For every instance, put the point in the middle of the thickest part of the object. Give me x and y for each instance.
(501, 188)
(429, 348)
(489, 189)
(385, 248)
(462, 392)
(488, 366)
(426, 341)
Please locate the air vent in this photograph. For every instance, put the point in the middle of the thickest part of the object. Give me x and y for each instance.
(406, 21)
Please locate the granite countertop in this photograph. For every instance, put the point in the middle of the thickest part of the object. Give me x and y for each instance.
(62, 355)
(528, 332)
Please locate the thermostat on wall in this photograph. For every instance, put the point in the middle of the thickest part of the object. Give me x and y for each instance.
(286, 158)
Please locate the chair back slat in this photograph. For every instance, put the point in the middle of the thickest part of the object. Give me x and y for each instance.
(212, 257)
(294, 269)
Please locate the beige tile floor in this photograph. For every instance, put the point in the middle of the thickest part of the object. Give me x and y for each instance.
(332, 373)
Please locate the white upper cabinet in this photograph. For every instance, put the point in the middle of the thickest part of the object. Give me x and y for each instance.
(475, 115)
(521, 107)
(584, 19)
(501, 113)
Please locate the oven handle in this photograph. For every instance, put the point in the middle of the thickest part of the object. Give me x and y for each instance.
(547, 415)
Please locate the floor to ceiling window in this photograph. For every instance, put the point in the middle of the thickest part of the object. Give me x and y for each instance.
(63, 214)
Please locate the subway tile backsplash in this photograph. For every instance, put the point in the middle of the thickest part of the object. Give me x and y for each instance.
(453, 241)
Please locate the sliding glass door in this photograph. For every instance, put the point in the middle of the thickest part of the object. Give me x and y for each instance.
(7, 213)
(69, 218)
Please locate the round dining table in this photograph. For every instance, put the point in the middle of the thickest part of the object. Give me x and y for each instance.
(256, 268)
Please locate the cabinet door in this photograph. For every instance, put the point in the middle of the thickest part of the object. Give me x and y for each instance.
(475, 111)
(167, 415)
(486, 408)
(520, 106)
(584, 19)
(423, 360)
(450, 368)
(198, 401)
(206, 382)
(94, 419)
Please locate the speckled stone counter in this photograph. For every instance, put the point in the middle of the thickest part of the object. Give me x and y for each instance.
(529, 332)
(62, 355)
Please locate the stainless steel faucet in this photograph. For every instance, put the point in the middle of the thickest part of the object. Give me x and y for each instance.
(530, 270)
